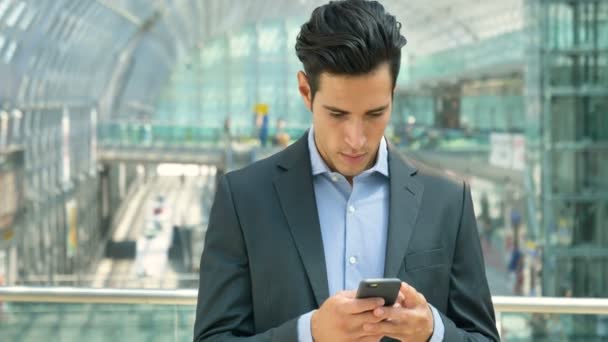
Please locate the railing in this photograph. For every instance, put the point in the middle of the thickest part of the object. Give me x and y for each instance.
(170, 143)
(123, 281)
(29, 312)
(27, 294)
(164, 135)
(582, 306)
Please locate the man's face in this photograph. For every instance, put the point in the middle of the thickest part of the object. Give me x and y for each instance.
(350, 114)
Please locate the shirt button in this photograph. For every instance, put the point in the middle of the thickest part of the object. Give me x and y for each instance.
(352, 260)
(334, 178)
(351, 209)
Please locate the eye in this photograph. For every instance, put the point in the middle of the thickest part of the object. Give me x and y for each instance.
(336, 114)
(376, 114)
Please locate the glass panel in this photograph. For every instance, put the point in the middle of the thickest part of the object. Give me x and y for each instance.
(27, 20)
(26, 322)
(539, 327)
(3, 7)
(581, 172)
(10, 52)
(15, 15)
(505, 49)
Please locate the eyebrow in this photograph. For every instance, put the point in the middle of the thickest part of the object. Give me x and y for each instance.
(342, 111)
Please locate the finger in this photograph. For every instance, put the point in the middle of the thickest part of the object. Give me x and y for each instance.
(355, 322)
(398, 330)
(355, 306)
(386, 328)
(393, 314)
(422, 299)
(400, 299)
(347, 294)
(410, 296)
(400, 316)
(372, 338)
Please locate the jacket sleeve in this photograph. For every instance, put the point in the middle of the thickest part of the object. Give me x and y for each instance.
(470, 313)
(224, 310)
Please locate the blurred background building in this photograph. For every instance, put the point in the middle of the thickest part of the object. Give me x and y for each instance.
(118, 116)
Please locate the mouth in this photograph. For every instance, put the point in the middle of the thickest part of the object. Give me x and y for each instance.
(353, 158)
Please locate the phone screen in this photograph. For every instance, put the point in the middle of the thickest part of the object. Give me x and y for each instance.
(386, 288)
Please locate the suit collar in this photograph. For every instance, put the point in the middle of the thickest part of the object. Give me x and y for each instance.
(294, 153)
(405, 198)
(295, 190)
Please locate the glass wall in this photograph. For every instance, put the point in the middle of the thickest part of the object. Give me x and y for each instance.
(232, 73)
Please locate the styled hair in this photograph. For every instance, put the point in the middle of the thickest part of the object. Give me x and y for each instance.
(349, 37)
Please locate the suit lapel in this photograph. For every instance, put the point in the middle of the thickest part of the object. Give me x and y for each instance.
(405, 197)
(295, 190)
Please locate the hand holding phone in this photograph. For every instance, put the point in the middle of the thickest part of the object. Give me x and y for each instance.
(386, 288)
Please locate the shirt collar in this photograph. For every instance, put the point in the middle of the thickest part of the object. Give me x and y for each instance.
(319, 166)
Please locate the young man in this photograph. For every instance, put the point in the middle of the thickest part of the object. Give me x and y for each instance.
(291, 236)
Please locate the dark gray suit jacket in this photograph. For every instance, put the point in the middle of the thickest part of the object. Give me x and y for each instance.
(263, 263)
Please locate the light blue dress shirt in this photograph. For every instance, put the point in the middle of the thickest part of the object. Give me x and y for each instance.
(354, 224)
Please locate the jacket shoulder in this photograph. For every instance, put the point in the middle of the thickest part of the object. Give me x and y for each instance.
(260, 172)
(264, 170)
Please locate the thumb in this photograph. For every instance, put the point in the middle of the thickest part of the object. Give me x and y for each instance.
(410, 296)
(351, 294)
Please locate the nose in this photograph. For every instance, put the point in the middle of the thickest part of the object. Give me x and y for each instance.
(355, 135)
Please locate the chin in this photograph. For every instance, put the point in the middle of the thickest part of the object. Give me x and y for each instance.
(350, 172)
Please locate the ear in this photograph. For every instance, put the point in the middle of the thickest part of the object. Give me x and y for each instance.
(304, 88)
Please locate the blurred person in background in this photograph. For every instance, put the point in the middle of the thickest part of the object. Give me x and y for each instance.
(261, 123)
(281, 138)
(290, 237)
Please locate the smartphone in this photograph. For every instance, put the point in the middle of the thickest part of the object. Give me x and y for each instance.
(386, 288)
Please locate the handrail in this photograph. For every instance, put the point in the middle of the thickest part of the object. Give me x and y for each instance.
(73, 278)
(502, 304)
(553, 305)
(97, 296)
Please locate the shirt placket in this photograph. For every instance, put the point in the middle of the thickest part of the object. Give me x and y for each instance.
(352, 254)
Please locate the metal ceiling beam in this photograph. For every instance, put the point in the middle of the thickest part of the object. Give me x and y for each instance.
(132, 18)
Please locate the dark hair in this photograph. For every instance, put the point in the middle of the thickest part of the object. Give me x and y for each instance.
(349, 37)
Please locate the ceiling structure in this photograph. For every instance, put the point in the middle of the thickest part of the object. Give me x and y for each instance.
(103, 51)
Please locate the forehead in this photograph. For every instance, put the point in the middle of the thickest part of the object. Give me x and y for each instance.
(348, 91)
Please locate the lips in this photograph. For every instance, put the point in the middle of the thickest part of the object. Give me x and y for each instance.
(353, 158)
